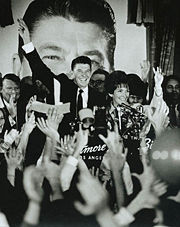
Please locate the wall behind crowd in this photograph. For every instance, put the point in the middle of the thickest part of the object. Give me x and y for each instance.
(131, 39)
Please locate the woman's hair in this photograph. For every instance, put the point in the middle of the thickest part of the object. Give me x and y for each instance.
(115, 79)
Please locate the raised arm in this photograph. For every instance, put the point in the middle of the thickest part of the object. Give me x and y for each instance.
(39, 70)
(117, 163)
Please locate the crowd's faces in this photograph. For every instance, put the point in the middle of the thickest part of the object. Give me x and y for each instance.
(59, 41)
(10, 89)
(2, 121)
(173, 90)
(82, 74)
(134, 99)
(98, 81)
(121, 94)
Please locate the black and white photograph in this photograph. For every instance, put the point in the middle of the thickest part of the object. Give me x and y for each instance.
(89, 113)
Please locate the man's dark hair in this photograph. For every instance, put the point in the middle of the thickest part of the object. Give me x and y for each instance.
(115, 79)
(81, 60)
(167, 79)
(94, 11)
(101, 71)
(137, 86)
(13, 77)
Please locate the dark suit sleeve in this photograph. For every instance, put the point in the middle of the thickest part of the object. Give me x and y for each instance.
(40, 71)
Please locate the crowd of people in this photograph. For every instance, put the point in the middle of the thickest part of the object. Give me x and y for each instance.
(79, 140)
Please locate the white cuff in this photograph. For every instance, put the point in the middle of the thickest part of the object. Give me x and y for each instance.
(72, 161)
(123, 217)
(28, 48)
(3, 220)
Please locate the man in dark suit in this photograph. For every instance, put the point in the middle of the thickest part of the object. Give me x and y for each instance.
(81, 95)
(9, 98)
(61, 88)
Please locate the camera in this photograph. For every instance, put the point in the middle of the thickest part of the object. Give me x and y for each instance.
(95, 121)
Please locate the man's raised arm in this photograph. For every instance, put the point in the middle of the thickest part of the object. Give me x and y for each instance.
(39, 70)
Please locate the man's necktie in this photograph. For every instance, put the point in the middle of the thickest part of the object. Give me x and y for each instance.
(172, 115)
(79, 101)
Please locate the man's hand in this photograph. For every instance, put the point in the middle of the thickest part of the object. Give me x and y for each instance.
(51, 170)
(12, 107)
(159, 118)
(13, 158)
(158, 77)
(147, 178)
(82, 140)
(115, 145)
(30, 124)
(91, 190)
(32, 183)
(23, 31)
(145, 67)
(67, 145)
(29, 105)
(46, 129)
(53, 118)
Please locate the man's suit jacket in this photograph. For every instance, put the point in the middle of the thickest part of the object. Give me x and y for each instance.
(68, 88)
(42, 73)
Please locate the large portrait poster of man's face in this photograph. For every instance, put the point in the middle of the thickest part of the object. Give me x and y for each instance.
(62, 30)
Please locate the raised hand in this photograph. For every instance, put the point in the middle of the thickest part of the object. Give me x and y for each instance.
(51, 170)
(32, 183)
(12, 106)
(94, 172)
(159, 187)
(158, 77)
(13, 158)
(30, 124)
(145, 67)
(67, 145)
(91, 190)
(29, 105)
(46, 129)
(116, 147)
(113, 139)
(53, 118)
(23, 31)
(147, 179)
(82, 140)
(159, 118)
